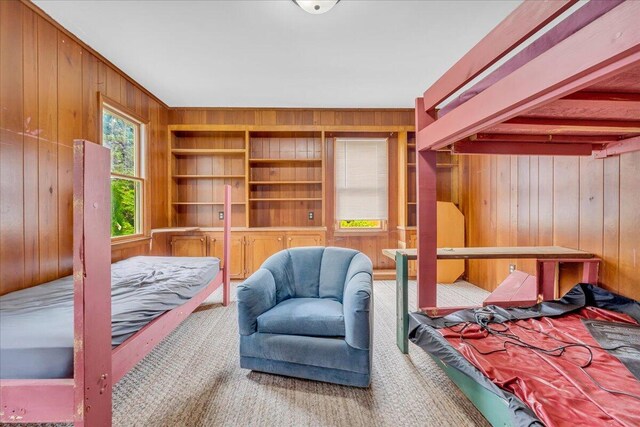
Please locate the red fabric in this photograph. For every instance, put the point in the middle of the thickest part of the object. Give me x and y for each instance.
(555, 388)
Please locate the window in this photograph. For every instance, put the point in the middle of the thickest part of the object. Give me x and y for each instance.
(362, 183)
(123, 135)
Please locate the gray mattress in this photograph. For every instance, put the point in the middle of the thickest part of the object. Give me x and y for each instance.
(36, 324)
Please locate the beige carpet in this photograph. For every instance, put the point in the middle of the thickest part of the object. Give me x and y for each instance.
(193, 379)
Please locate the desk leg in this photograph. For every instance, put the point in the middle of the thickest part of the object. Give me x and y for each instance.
(590, 272)
(402, 305)
(547, 278)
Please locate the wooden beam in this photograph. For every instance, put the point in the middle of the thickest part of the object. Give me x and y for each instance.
(544, 124)
(427, 229)
(92, 284)
(521, 24)
(616, 97)
(426, 212)
(523, 137)
(620, 147)
(36, 401)
(226, 285)
(523, 148)
(613, 46)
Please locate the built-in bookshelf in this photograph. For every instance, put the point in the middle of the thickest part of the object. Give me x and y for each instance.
(411, 180)
(277, 177)
(285, 179)
(202, 163)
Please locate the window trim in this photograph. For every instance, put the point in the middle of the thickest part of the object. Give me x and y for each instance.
(108, 104)
(384, 223)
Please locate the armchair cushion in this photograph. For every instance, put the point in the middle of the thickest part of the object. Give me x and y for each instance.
(335, 264)
(304, 316)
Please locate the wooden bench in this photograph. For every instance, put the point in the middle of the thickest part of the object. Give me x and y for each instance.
(518, 289)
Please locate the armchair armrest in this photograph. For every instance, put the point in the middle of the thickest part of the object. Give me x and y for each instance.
(255, 296)
(358, 311)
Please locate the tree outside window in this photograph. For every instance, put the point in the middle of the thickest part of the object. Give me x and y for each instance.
(122, 136)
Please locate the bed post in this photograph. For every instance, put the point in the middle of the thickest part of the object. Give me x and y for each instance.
(226, 271)
(92, 284)
(426, 214)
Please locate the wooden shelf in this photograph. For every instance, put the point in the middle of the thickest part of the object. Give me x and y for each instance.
(207, 151)
(283, 182)
(285, 160)
(206, 203)
(439, 165)
(208, 176)
(287, 199)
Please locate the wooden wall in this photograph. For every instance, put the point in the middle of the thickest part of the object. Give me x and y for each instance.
(584, 203)
(49, 84)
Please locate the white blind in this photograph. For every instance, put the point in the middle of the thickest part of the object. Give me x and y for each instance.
(362, 179)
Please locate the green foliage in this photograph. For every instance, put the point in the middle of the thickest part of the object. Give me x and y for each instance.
(360, 223)
(123, 207)
(120, 136)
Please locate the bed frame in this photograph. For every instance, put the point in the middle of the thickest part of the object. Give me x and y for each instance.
(87, 397)
(525, 106)
(564, 68)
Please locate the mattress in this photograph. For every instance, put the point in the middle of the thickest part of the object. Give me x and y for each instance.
(553, 372)
(36, 324)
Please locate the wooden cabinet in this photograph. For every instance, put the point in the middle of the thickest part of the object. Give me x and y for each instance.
(237, 263)
(192, 246)
(295, 240)
(259, 247)
(249, 249)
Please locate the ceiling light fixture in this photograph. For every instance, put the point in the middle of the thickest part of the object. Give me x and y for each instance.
(316, 7)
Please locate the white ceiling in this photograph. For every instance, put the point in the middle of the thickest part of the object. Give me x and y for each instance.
(363, 54)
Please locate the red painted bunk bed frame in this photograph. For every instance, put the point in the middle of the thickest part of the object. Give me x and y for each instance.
(527, 106)
(86, 398)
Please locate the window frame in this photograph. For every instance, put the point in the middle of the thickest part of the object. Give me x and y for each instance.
(384, 223)
(141, 146)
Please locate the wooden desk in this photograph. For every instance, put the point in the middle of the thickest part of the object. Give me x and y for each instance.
(496, 252)
(508, 293)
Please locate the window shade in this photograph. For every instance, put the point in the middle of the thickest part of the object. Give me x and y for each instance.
(362, 179)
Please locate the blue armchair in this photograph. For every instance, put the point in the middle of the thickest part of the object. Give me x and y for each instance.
(308, 313)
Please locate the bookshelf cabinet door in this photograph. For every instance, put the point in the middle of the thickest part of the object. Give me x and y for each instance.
(190, 246)
(307, 239)
(259, 247)
(237, 263)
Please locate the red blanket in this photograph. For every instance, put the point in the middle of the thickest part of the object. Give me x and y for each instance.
(555, 385)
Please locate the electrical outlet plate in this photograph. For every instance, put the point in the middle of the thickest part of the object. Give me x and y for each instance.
(310, 215)
(221, 215)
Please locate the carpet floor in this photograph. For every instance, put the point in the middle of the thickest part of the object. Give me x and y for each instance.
(193, 378)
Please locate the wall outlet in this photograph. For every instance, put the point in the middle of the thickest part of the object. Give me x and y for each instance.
(512, 268)
(310, 215)
(221, 215)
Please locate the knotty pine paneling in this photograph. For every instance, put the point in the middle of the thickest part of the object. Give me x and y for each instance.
(582, 203)
(283, 117)
(49, 84)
